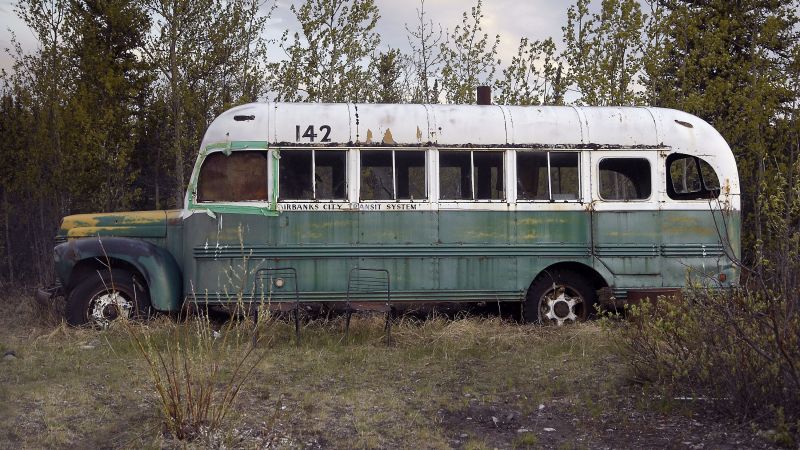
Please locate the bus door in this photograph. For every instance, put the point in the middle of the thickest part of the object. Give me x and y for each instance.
(626, 234)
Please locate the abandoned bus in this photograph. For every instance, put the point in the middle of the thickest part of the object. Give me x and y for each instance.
(555, 208)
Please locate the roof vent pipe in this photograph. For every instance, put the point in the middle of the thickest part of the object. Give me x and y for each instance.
(484, 95)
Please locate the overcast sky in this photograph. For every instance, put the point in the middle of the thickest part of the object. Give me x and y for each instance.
(511, 19)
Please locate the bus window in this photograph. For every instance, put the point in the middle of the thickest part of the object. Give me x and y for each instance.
(488, 174)
(377, 175)
(684, 175)
(313, 175)
(690, 178)
(455, 175)
(710, 179)
(471, 176)
(532, 176)
(240, 176)
(624, 179)
(392, 175)
(330, 174)
(410, 175)
(548, 176)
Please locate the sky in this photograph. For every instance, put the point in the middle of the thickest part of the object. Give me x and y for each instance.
(511, 19)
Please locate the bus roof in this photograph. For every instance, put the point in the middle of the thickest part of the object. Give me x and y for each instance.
(349, 124)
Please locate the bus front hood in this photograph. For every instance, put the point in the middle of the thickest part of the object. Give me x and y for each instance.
(141, 224)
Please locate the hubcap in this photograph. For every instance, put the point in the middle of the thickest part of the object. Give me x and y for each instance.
(561, 304)
(108, 307)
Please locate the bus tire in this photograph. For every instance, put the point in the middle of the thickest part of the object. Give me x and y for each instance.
(559, 297)
(105, 296)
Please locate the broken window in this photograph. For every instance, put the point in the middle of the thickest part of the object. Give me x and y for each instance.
(690, 178)
(237, 177)
(313, 175)
(552, 176)
(392, 175)
(625, 179)
(471, 175)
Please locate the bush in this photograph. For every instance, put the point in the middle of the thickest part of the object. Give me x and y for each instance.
(737, 348)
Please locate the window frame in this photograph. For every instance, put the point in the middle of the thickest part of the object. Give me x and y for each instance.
(550, 199)
(503, 167)
(314, 150)
(650, 165)
(426, 166)
(703, 194)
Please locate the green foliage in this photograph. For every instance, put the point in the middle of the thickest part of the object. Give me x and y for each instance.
(469, 58)
(209, 55)
(388, 82)
(733, 65)
(604, 51)
(533, 77)
(328, 62)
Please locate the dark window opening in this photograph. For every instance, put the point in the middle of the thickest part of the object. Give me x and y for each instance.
(625, 179)
(238, 177)
(690, 178)
(392, 175)
(455, 176)
(533, 182)
(313, 175)
(488, 173)
(296, 175)
(330, 175)
(377, 177)
(410, 175)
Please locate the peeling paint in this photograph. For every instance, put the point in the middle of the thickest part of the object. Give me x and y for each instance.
(387, 137)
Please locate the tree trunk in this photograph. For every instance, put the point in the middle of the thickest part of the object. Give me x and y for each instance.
(6, 225)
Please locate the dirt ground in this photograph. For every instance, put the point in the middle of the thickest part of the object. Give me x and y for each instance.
(468, 382)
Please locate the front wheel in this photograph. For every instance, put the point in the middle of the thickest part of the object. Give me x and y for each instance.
(105, 296)
(559, 297)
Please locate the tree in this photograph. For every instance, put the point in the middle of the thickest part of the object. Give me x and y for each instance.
(425, 42)
(210, 55)
(533, 77)
(388, 82)
(328, 63)
(469, 59)
(731, 64)
(102, 116)
(604, 51)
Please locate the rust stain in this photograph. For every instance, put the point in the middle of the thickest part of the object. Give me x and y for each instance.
(387, 137)
(369, 136)
(419, 135)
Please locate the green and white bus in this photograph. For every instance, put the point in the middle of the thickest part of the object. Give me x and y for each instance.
(551, 207)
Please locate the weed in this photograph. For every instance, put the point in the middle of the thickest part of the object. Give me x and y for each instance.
(197, 371)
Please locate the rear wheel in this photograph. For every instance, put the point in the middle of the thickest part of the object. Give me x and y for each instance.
(106, 296)
(559, 297)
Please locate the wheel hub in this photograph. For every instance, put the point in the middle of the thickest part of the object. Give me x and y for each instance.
(109, 307)
(561, 308)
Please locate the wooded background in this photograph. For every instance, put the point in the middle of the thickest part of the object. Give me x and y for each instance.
(108, 113)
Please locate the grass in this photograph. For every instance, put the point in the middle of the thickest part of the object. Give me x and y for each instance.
(471, 382)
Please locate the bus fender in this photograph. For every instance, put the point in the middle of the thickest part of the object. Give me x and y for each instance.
(598, 273)
(155, 264)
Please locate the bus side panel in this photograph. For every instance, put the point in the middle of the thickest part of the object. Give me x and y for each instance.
(695, 246)
(628, 244)
(550, 237)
